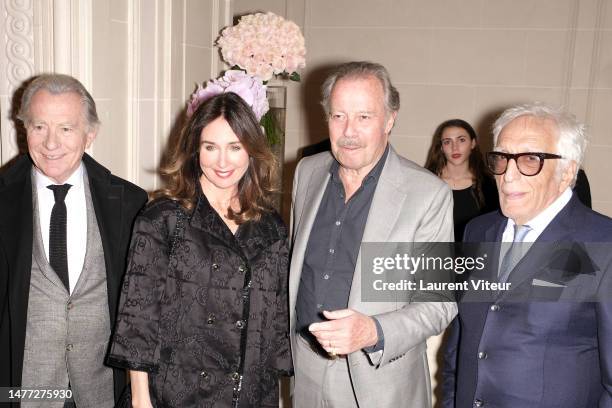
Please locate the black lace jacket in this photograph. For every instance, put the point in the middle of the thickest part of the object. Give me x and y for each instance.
(204, 311)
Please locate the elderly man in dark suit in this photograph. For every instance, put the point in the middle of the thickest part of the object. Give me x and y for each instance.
(65, 224)
(538, 344)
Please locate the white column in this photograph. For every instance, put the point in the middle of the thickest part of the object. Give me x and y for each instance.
(16, 65)
(157, 85)
(72, 39)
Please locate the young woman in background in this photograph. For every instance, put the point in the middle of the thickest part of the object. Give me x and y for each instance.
(455, 157)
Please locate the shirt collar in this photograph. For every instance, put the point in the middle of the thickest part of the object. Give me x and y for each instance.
(541, 221)
(75, 179)
(372, 176)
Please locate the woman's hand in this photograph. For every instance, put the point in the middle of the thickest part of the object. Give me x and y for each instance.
(140, 389)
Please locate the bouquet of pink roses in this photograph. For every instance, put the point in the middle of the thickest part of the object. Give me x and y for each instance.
(264, 45)
(259, 47)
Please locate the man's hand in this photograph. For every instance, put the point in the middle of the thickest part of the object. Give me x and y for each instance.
(346, 331)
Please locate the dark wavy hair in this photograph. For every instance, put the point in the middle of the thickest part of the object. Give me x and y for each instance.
(436, 160)
(182, 171)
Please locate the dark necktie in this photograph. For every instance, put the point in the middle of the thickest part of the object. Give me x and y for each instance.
(515, 252)
(58, 254)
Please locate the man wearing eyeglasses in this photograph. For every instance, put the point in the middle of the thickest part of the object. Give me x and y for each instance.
(509, 351)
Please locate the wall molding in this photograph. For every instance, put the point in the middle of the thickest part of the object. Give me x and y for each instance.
(570, 52)
(147, 133)
(20, 42)
(72, 39)
(42, 36)
(133, 78)
(18, 66)
(153, 107)
(595, 60)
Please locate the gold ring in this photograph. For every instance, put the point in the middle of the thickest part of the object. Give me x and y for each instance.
(332, 351)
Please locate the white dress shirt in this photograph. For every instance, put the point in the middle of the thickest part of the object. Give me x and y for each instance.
(76, 224)
(539, 223)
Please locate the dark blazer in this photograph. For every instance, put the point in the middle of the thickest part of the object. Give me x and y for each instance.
(116, 203)
(528, 354)
(211, 318)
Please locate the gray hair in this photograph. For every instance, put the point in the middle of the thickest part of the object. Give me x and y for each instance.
(58, 84)
(571, 136)
(361, 69)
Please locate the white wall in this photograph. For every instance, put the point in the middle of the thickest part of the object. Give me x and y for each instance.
(149, 55)
(140, 59)
(467, 59)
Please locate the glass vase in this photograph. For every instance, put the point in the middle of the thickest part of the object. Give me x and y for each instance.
(275, 132)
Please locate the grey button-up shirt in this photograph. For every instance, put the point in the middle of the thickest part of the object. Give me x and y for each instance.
(332, 250)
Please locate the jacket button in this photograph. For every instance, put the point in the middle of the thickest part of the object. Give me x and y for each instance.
(482, 355)
(69, 306)
(235, 376)
(478, 403)
(215, 266)
(240, 324)
(204, 375)
(494, 308)
(69, 347)
(211, 318)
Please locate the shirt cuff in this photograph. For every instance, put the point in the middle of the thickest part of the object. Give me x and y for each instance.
(380, 344)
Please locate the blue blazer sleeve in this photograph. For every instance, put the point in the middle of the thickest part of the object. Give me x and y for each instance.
(604, 334)
(449, 368)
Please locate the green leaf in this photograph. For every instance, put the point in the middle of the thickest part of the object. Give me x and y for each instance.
(272, 130)
(295, 77)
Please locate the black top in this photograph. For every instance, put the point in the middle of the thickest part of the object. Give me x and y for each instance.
(466, 205)
(333, 247)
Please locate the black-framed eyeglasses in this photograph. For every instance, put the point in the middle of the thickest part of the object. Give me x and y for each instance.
(528, 163)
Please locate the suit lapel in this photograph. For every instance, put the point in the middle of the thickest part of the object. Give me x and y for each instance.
(475, 305)
(16, 211)
(107, 202)
(493, 237)
(317, 184)
(382, 208)
(107, 206)
(496, 230)
(558, 230)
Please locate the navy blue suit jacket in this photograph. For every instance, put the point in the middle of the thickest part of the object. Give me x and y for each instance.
(528, 354)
